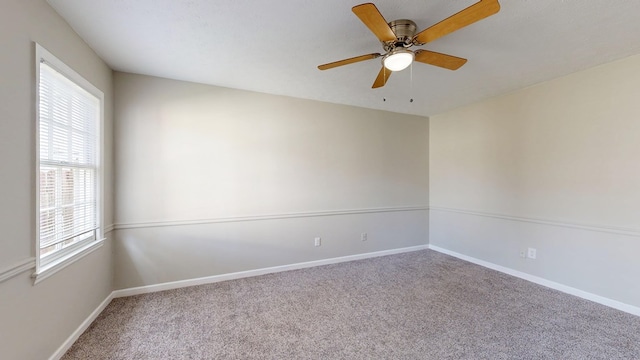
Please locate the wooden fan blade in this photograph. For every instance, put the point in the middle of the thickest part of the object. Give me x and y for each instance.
(349, 61)
(442, 60)
(475, 12)
(382, 78)
(371, 17)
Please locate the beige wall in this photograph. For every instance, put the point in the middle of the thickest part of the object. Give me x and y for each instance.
(188, 152)
(551, 167)
(565, 152)
(32, 324)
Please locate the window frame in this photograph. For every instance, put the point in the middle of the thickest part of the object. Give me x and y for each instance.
(68, 255)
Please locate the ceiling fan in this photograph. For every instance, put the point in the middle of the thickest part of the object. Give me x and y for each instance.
(399, 35)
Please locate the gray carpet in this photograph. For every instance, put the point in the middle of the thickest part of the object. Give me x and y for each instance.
(419, 305)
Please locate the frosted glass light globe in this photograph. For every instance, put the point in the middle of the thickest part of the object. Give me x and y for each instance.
(398, 60)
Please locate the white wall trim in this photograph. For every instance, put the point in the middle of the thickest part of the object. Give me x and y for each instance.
(257, 272)
(243, 274)
(65, 261)
(108, 228)
(544, 282)
(136, 225)
(30, 263)
(598, 228)
(66, 345)
(20, 267)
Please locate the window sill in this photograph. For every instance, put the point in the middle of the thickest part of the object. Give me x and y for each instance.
(55, 266)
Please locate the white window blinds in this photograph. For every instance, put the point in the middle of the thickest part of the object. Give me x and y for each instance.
(67, 131)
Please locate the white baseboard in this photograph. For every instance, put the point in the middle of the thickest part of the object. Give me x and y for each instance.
(257, 272)
(243, 274)
(544, 282)
(85, 324)
(213, 279)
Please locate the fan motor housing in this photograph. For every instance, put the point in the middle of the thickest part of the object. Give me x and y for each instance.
(404, 29)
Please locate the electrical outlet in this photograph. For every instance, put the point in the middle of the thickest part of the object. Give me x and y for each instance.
(317, 241)
(363, 236)
(523, 254)
(531, 253)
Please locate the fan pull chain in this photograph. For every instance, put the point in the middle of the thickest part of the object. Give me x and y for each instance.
(384, 74)
(411, 82)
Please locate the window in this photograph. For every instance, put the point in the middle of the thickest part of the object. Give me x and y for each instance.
(69, 122)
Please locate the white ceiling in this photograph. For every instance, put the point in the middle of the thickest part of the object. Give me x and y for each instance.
(275, 46)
